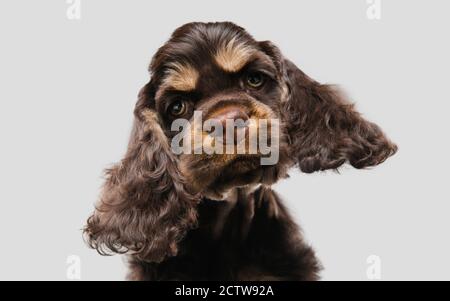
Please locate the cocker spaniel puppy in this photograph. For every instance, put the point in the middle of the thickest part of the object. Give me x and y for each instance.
(213, 216)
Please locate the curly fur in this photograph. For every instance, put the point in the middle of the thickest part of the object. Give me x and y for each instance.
(144, 208)
(327, 131)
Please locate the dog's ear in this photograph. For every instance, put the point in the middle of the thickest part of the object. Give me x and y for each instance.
(325, 130)
(144, 208)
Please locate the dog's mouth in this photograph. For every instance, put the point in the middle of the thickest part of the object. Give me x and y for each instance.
(214, 179)
(243, 170)
(208, 169)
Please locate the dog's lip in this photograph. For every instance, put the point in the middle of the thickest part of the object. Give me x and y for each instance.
(239, 159)
(220, 165)
(240, 132)
(222, 173)
(230, 167)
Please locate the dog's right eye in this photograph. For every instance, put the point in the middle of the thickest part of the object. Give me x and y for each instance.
(177, 108)
(255, 80)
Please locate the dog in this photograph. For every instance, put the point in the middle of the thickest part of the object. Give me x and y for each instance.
(204, 216)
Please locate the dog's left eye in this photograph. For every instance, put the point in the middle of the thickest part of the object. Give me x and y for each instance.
(255, 79)
(178, 108)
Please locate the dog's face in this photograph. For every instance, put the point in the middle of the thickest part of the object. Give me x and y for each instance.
(219, 71)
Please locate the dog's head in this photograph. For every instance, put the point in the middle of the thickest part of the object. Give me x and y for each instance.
(218, 72)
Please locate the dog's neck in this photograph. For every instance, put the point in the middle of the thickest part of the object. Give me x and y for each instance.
(232, 195)
(243, 195)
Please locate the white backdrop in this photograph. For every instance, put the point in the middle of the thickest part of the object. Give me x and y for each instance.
(68, 87)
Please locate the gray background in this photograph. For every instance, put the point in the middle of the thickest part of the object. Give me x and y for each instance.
(68, 87)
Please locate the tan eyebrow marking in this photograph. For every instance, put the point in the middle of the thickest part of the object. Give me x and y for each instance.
(233, 55)
(182, 77)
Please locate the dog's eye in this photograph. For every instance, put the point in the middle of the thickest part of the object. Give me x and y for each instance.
(255, 79)
(178, 108)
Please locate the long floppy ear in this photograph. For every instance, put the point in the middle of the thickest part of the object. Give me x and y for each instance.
(144, 208)
(325, 129)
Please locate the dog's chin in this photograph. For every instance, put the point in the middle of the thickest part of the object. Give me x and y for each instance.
(213, 176)
(217, 178)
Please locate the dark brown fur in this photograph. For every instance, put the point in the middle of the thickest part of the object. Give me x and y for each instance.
(194, 217)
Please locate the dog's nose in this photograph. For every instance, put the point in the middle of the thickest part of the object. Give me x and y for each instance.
(236, 118)
(233, 114)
